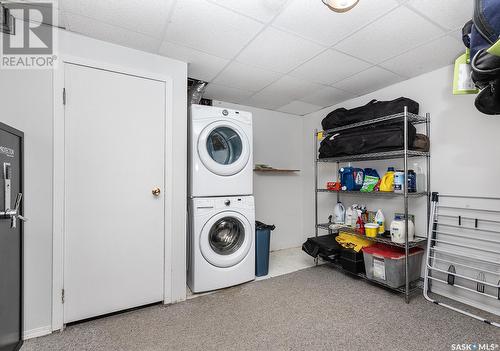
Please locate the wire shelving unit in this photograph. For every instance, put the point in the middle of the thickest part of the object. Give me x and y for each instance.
(406, 118)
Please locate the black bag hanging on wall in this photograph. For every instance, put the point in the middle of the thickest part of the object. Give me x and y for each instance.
(379, 138)
(374, 109)
(479, 35)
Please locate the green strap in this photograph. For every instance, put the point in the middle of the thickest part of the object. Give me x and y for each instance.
(495, 49)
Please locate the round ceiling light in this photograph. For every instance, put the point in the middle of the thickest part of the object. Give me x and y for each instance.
(340, 5)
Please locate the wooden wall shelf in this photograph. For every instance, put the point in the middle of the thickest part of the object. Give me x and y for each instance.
(275, 170)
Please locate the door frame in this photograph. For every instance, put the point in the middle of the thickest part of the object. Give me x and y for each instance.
(59, 177)
(20, 135)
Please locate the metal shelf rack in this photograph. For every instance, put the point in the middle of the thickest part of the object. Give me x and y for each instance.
(373, 193)
(376, 156)
(379, 239)
(405, 154)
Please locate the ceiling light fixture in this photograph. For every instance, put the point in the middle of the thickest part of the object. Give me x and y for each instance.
(340, 5)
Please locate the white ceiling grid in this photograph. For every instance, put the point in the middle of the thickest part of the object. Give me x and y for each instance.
(293, 56)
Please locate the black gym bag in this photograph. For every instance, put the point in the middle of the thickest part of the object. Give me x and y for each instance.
(479, 35)
(486, 76)
(324, 246)
(377, 138)
(374, 109)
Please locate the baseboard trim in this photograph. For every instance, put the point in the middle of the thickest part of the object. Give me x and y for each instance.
(37, 332)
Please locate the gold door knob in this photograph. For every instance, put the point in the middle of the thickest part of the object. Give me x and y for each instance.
(156, 191)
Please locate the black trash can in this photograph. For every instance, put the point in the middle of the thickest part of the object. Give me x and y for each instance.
(262, 242)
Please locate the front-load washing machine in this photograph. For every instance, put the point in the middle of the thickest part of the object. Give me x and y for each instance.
(220, 151)
(221, 242)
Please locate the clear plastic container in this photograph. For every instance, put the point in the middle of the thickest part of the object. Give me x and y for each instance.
(386, 264)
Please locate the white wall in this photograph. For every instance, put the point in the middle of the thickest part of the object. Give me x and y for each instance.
(26, 98)
(464, 146)
(277, 141)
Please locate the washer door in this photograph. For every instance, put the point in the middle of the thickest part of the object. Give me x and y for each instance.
(224, 148)
(226, 239)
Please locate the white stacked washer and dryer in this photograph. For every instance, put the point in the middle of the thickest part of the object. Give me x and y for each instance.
(221, 236)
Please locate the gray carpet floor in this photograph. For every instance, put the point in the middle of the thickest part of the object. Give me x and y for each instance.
(317, 308)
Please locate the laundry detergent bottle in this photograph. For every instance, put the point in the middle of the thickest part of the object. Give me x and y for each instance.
(380, 220)
(349, 213)
(346, 175)
(399, 181)
(398, 230)
(387, 181)
(421, 187)
(359, 176)
(339, 213)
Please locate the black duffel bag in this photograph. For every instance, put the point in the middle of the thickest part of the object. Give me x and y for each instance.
(378, 138)
(374, 109)
(324, 246)
(486, 76)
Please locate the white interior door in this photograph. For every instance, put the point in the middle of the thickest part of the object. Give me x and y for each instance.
(114, 225)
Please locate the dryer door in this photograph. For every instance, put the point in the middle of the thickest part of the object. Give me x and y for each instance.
(226, 239)
(224, 148)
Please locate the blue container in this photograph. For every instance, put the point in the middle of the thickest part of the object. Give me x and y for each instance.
(346, 175)
(351, 178)
(412, 181)
(262, 243)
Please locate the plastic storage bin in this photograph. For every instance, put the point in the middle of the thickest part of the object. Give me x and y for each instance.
(352, 261)
(386, 264)
(262, 242)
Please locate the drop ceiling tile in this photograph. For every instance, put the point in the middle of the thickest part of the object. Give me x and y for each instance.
(368, 81)
(299, 108)
(292, 87)
(227, 94)
(112, 34)
(282, 92)
(201, 65)
(278, 51)
(261, 10)
(429, 57)
(210, 28)
(330, 67)
(328, 96)
(313, 20)
(451, 14)
(395, 33)
(268, 101)
(61, 21)
(246, 77)
(146, 17)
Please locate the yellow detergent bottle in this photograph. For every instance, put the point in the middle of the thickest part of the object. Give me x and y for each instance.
(387, 182)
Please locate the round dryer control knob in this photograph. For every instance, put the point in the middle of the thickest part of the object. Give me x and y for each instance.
(227, 202)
